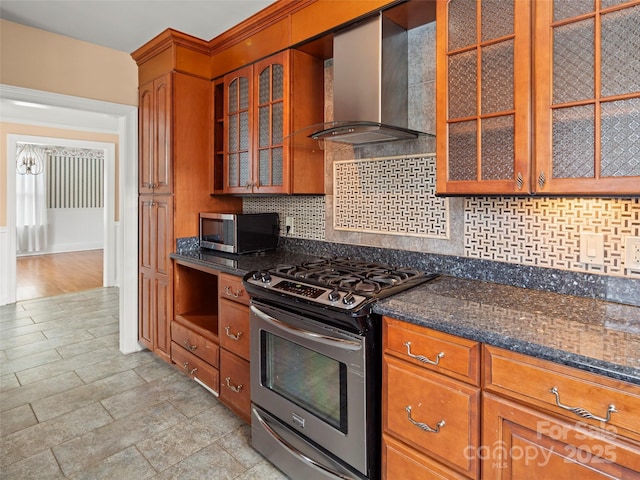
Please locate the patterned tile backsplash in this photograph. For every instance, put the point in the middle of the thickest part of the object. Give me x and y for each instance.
(395, 200)
(545, 231)
(308, 212)
(389, 195)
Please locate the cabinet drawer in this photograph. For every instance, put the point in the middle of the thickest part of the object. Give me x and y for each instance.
(234, 384)
(532, 380)
(402, 462)
(194, 343)
(233, 319)
(195, 367)
(456, 357)
(416, 400)
(231, 288)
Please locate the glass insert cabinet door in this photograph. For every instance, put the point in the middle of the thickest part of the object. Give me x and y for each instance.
(237, 139)
(588, 97)
(256, 127)
(483, 100)
(271, 93)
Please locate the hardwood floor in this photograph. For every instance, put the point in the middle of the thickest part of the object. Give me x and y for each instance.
(48, 275)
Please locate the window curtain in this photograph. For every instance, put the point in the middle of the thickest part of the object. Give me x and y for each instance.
(31, 210)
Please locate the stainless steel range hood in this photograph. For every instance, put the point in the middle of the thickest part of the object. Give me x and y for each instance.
(370, 85)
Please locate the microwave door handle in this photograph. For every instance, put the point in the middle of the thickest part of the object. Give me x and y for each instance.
(294, 451)
(300, 332)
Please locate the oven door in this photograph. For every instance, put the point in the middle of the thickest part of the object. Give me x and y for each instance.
(312, 378)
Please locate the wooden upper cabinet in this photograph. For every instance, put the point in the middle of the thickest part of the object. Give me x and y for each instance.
(238, 175)
(538, 97)
(483, 85)
(587, 97)
(155, 119)
(271, 83)
(265, 103)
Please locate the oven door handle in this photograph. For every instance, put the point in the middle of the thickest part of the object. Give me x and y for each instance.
(294, 451)
(350, 345)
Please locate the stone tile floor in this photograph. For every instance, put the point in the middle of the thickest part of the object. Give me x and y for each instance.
(73, 406)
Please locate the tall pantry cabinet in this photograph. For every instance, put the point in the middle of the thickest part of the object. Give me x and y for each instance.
(175, 151)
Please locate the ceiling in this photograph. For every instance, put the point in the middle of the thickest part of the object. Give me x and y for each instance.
(126, 25)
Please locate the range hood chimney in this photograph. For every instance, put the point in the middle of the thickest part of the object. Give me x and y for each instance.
(370, 84)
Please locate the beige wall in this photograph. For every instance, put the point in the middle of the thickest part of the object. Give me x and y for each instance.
(39, 60)
(33, 58)
(19, 129)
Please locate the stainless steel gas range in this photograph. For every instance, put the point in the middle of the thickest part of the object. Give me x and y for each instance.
(316, 365)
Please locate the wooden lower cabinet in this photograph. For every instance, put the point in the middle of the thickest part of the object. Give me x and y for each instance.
(234, 384)
(538, 421)
(234, 328)
(195, 347)
(154, 274)
(529, 419)
(430, 420)
(520, 442)
(402, 462)
(195, 367)
(431, 413)
(233, 317)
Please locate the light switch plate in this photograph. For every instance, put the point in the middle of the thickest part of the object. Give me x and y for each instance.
(592, 248)
(632, 249)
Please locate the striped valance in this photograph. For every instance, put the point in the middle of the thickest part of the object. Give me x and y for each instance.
(75, 178)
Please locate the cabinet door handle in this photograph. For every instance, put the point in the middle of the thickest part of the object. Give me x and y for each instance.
(231, 335)
(233, 388)
(581, 412)
(188, 345)
(236, 294)
(541, 179)
(421, 358)
(185, 366)
(423, 426)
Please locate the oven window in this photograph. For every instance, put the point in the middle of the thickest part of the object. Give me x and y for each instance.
(307, 378)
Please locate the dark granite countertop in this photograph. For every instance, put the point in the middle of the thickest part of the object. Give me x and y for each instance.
(592, 335)
(589, 334)
(239, 264)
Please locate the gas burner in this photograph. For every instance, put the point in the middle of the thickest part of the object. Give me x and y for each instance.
(366, 278)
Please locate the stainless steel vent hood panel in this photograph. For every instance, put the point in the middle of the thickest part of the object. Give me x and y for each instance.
(370, 84)
(363, 133)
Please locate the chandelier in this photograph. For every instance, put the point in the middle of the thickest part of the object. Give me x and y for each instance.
(30, 159)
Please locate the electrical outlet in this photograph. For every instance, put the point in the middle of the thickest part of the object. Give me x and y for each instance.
(288, 223)
(592, 248)
(632, 247)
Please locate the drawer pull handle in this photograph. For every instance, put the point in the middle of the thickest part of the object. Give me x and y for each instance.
(236, 294)
(581, 412)
(231, 335)
(188, 345)
(423, 426)
(421, 358)
(185, 365)
(233, 388)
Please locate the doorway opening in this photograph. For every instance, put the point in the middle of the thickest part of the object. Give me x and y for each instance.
(60, 220)
(108, 223)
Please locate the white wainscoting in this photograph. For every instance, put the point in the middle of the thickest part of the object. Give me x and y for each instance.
(6, 268)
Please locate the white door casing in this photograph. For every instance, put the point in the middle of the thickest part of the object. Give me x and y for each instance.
(75, 113)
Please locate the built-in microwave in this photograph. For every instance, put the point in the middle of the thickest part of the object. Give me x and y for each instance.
(239, 232)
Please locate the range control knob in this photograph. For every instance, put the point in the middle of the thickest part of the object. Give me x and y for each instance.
(266, 277)
(257, 275)
(334, 295)
(349, 299)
